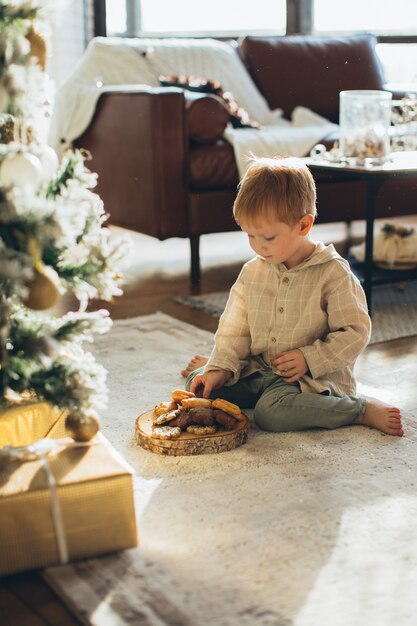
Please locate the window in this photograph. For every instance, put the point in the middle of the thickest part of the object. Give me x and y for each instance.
(395, 17)
(116, 17)
(393, 21)
(400, 64)
(188, 17)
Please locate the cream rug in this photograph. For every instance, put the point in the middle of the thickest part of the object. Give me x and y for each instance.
(316, 528)
(394, 312)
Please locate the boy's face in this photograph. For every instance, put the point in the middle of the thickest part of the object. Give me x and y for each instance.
(277, 242)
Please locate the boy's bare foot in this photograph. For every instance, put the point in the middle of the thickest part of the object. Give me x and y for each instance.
(196, 361)
(382, 417)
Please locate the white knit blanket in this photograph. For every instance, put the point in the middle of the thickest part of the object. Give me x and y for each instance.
(293, 137)
(111, 64)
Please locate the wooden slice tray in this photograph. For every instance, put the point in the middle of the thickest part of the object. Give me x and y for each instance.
(189, 444)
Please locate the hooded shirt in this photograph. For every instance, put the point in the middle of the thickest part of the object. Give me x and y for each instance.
(318, 307)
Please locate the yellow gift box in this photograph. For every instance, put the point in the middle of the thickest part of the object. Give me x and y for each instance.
(23, 422)
(73, 503)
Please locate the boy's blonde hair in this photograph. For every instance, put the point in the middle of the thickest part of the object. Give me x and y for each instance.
(278, 188)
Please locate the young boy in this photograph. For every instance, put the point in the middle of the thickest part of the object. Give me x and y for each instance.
(296, 318)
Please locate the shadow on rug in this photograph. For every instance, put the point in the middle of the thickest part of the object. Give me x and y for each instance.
(294, 529)
(394, 309)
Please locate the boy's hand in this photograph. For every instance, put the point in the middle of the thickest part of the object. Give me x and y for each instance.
(209, 381)
(292, 365)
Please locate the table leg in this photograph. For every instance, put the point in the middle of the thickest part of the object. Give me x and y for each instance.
(373, 185)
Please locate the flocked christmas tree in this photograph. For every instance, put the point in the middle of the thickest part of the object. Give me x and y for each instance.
(52, 240)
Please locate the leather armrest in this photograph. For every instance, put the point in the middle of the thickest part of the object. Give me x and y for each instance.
(206, 117)
(137, 139)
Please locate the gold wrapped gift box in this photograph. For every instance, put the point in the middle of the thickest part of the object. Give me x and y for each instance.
(95, 496)
(26, 421)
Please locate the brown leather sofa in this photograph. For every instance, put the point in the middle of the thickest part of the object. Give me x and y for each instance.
(165, 169)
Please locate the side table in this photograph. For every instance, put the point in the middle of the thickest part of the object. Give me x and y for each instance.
(401, 164)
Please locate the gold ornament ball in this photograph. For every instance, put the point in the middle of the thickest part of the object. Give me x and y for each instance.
(82, 426)
(43, 290)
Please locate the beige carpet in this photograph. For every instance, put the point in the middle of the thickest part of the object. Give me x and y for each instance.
(304, 529)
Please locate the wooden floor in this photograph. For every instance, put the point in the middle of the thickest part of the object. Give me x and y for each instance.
(155, 273)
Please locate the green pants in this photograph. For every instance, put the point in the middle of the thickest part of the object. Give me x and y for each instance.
(280, 406)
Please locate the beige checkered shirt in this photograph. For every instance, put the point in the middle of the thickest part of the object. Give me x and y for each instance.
(318, 307)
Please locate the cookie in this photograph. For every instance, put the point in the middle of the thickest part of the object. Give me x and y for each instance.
(190, 403)
(180, 394)
(166, 432)
(165, 417)
(202, 415)
(228, 407)
(165, 407)
(196, 429)
(184, 420)
(224, 419)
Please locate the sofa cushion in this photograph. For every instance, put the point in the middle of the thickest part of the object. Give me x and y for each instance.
(311, 71)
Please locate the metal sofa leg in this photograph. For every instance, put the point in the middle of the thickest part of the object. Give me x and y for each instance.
(195, 259)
